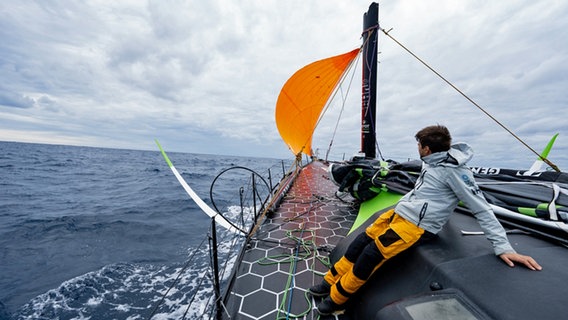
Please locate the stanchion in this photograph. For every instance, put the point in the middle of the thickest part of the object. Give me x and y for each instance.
(216, 284)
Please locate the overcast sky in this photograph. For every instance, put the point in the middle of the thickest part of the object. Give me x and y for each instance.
(204, 76)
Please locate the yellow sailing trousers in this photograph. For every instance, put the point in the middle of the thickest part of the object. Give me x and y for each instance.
(388, 236)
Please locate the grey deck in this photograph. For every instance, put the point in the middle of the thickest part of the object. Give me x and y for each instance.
(282, 259)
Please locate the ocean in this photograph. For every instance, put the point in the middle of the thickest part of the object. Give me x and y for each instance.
(95, 233)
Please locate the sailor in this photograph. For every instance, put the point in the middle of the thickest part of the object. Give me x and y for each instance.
(443, 182)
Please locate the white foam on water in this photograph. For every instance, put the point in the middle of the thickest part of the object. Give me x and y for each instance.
(132, 291)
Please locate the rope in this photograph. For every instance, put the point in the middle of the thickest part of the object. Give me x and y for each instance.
(331, 98)
(303, 250)
(233, 244)
(193, 297)
(303, 247)
(306, 245)
(177, 279)
(290, 175)
(548, 162)
(199, 285)
(344, 100)
(291, 278)
(369, 30)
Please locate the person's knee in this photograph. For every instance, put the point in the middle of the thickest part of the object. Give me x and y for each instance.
(367, 262)
(358, 245)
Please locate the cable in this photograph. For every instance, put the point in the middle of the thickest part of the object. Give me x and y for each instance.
(177, 279)
(552, 165)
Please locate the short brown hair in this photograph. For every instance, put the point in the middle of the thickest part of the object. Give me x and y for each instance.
(437, 138)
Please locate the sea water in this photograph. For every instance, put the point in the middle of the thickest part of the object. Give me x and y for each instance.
(93, 233)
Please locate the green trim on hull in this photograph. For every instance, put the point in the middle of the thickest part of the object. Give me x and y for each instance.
(367, 208)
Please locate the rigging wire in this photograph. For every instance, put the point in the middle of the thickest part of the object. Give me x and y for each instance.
(548, 162)
(227, 259)
(177, 279)
(233, 244)
(285, 182)
(328, 103)
(352, 70)
(344, 100)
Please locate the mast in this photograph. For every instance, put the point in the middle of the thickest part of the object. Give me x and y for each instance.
(369, 84)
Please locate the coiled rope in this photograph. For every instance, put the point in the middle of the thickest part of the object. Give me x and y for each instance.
(305, 249)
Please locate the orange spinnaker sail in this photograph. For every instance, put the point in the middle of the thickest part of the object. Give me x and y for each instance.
(303, 98)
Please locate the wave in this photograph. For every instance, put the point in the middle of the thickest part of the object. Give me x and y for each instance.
(121, 291)
(92, 233)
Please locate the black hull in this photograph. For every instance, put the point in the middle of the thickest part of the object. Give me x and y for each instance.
(465, 266)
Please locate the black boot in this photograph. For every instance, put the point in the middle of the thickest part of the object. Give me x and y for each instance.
(327, 307)
(320, 290)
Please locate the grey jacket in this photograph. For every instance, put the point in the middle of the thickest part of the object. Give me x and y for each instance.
(444, 181)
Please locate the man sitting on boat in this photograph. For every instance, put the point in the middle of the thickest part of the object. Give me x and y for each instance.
(443, 182)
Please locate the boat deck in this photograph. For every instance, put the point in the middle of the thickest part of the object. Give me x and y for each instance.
(288, 253)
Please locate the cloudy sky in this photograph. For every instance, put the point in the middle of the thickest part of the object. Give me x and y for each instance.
(204, 76)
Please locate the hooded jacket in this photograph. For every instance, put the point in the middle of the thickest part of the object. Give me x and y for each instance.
(443, 182)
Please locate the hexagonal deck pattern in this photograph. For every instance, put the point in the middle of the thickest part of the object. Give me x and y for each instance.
(284, 258)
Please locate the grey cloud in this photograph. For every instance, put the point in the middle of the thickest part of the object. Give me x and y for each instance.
(197, 71)
(15, 100)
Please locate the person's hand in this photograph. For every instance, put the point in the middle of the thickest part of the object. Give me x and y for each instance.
(511, 258)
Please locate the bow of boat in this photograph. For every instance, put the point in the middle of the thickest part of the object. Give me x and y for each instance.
(289, 251)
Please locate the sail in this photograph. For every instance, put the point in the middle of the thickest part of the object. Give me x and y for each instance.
(303, 98)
